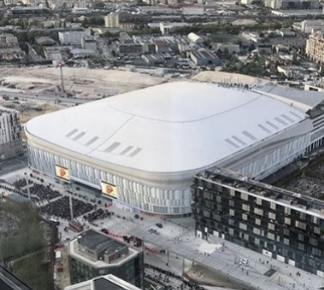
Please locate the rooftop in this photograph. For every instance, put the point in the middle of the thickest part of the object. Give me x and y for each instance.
(308, 98)
(96, 242)
(110, 282)
(198, 115)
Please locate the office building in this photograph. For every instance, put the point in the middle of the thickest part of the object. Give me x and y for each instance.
(95, 254)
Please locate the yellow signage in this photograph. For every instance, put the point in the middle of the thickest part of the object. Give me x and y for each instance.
(108, 189)
(62, 172)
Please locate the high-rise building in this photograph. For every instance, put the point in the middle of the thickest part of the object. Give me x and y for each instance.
(94, 254)
(112, 20)
(10, 133)
(278, 223)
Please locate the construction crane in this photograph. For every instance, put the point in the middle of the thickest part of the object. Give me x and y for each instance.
(60, 65)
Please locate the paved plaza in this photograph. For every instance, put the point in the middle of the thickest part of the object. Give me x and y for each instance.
(177, 237)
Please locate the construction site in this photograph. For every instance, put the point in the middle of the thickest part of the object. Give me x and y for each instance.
(74, 83)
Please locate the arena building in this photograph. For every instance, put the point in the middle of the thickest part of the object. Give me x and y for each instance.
(143, 148)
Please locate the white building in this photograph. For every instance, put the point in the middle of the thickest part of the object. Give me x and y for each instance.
(193, 37)
(292, 4)
(307, 26)
(10, 133)
(112, 20)
(72, 37)
(246, 2)
(195, 126)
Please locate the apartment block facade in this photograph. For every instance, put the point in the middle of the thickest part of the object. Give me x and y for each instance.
(278, 223)
(10, 133)
(315, 46)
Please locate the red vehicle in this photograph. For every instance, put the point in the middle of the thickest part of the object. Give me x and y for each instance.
(75, 226)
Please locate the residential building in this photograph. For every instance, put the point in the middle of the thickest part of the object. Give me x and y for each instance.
(9, 47)
(278, 223)
(10, 133)
(94, 254)
(203, 56)
(89, 43)
(315, 47)
(72, 37)
(112, 20)
(108, 282)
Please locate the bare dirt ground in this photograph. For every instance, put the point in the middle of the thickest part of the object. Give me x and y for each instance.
(81, 82)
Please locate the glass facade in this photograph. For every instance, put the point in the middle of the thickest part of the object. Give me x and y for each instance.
(279, 224)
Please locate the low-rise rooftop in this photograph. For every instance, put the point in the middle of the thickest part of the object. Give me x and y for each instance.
(110, 282)
(97, 242)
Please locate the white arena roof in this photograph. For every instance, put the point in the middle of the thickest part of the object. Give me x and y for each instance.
(174, 127)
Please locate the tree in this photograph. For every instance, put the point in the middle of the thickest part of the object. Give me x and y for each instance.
(22, 248)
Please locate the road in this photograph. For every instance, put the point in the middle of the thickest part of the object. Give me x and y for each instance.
(46, 97)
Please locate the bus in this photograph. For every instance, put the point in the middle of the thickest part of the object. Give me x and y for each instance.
(75, 226)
